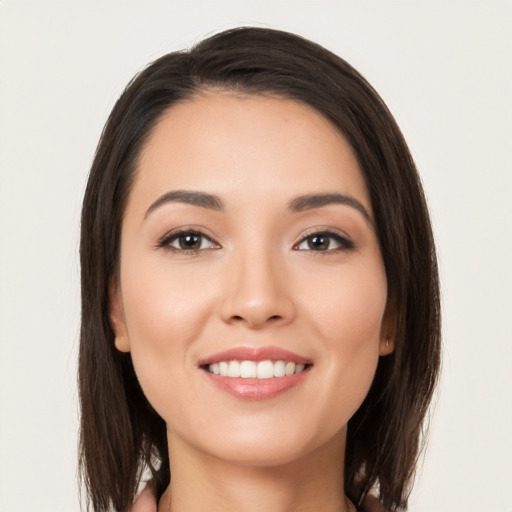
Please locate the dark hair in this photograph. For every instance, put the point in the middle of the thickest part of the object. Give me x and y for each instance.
(121, 434)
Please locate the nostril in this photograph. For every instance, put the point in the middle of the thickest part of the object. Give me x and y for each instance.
(255, 319)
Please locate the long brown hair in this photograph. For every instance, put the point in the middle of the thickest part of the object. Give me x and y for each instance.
(121, 434)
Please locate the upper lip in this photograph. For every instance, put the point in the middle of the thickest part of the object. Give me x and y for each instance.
(254, 354)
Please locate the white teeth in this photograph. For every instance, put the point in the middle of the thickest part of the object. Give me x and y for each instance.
(234, 369)
(290, 369)
(279, 369)
(255, 370)
(223, 368)
(248, 370)
(265, 370)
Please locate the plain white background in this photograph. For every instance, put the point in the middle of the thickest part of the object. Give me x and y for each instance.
(445, 70)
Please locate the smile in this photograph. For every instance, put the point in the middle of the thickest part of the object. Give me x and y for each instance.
(255, 370)
(255, 373)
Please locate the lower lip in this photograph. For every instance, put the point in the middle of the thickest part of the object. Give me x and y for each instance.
(256, 389)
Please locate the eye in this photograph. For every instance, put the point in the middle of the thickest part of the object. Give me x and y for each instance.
(324, 241)
(187, 241)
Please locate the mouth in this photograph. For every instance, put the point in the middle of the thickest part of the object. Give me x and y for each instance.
(255, 373)
(260, 370)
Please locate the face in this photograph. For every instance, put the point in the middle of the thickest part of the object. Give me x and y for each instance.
(252, 292)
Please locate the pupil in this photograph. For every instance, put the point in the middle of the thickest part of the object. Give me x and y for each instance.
(319, 242)
(189, 241)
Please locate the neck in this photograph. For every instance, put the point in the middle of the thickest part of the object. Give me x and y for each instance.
(202, 482)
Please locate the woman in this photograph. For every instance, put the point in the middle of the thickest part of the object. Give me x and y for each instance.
(260, 305)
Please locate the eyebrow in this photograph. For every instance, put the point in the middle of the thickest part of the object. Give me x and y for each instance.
(310, 201)
(299, 204)
(200, 199)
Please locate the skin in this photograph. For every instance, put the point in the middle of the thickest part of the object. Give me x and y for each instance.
(146, 502)
(254, 279)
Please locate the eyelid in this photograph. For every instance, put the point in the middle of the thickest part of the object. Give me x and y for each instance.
(342, 238)
(164, 241)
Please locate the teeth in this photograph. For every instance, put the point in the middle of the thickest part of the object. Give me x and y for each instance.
(265, 370)
(248, 370)
(279, 369)
(289, 369)
(255, 370)
(233, 369)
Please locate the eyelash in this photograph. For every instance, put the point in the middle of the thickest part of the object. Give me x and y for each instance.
(168, 238)
(344, 242)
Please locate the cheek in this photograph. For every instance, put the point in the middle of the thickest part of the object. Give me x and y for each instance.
(348, 307)
(347, 317)
(162, 303)
(164, 311)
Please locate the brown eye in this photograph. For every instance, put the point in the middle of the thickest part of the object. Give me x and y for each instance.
(324, 241)
(187, 242)
(318, 242)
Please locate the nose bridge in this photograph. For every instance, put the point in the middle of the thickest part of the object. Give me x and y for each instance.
(257, 291)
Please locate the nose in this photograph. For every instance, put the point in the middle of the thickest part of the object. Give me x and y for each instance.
(257, 293)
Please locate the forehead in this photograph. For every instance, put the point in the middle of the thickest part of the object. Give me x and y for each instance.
(249, 146)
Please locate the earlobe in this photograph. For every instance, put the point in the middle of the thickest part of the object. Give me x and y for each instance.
(388, 330)
(387, 346)
(116, 317)
(122, 344)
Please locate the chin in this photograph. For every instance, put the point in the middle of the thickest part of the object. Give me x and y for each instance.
(259, 456)
(261, 447)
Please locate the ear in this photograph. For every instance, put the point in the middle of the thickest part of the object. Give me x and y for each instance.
(116, 316)
(388, 329)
